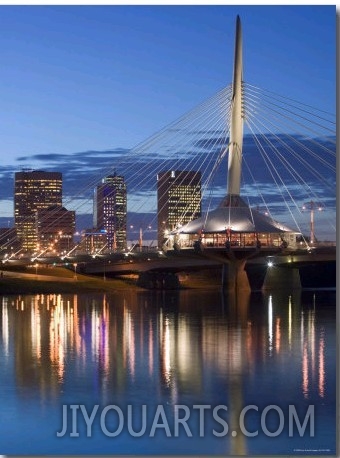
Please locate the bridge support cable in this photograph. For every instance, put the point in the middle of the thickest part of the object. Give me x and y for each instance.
(294, 149)
(298, 157)
(315, 176)
(274, 173)
(126, 163)
(183, 143)
(180, 135)
(256, 185)
(283, 160)
(267, 121)
(209, 170)
(309, 119)
(313, 112)
(195, 162)
(209, 146)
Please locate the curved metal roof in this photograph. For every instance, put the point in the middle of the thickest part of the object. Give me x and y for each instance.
(239, 218)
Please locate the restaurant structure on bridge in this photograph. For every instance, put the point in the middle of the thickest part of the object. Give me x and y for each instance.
(232, 225)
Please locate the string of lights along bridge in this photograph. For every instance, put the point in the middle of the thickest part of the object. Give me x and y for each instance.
(246, 168)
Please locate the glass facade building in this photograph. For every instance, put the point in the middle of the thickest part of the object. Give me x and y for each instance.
(178, 200)
(110, 210)
(34, 190)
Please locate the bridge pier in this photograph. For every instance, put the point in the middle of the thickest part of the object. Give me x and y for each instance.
(282, 278)
(234, 277)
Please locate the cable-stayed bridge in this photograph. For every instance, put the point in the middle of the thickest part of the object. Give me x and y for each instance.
(263, 158)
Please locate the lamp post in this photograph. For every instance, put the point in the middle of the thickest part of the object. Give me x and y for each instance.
(140, 241)
(131, 227)
(312, 206)
(115, 241)
(59, 246)
(75, 270)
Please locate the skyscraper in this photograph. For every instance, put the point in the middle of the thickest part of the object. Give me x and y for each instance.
(178, 199)
(110, 209)
(34, 190)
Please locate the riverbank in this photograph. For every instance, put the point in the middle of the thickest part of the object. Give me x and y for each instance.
(58, 280)
(24, 286)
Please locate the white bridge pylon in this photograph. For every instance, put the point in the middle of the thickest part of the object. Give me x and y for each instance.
(236, 120)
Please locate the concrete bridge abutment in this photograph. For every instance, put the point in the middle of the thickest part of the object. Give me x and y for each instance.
(281, 278)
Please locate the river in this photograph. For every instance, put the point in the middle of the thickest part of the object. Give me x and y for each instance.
(216, 373)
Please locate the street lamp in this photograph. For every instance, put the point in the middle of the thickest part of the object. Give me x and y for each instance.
(131, 227)
(140, 241)
(312, 206)
(75, 270)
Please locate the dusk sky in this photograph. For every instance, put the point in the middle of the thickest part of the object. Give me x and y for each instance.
(80, 79)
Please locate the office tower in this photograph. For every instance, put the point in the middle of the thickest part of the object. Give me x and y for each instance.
(110, 209)
(55, 229)
(178, 199)
(34, 190)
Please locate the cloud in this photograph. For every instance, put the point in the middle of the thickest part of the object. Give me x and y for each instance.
(292, 166)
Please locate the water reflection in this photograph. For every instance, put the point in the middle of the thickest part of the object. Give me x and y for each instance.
(171, 348)
(118, 335)
(313, 350)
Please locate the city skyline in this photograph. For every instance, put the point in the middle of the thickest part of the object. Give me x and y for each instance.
(170, 75)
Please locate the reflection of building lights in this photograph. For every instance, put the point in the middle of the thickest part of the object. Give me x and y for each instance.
(58, 336)
(305, 379)
(189, 352)
(5, 325)
(36, 328)
(167, 352)
(270, 324)
(311, 333)
(150, 348)
(290, 322)
(322, 365)
(99, 336)
(308, 354)
(278, 335)
(129, 341)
